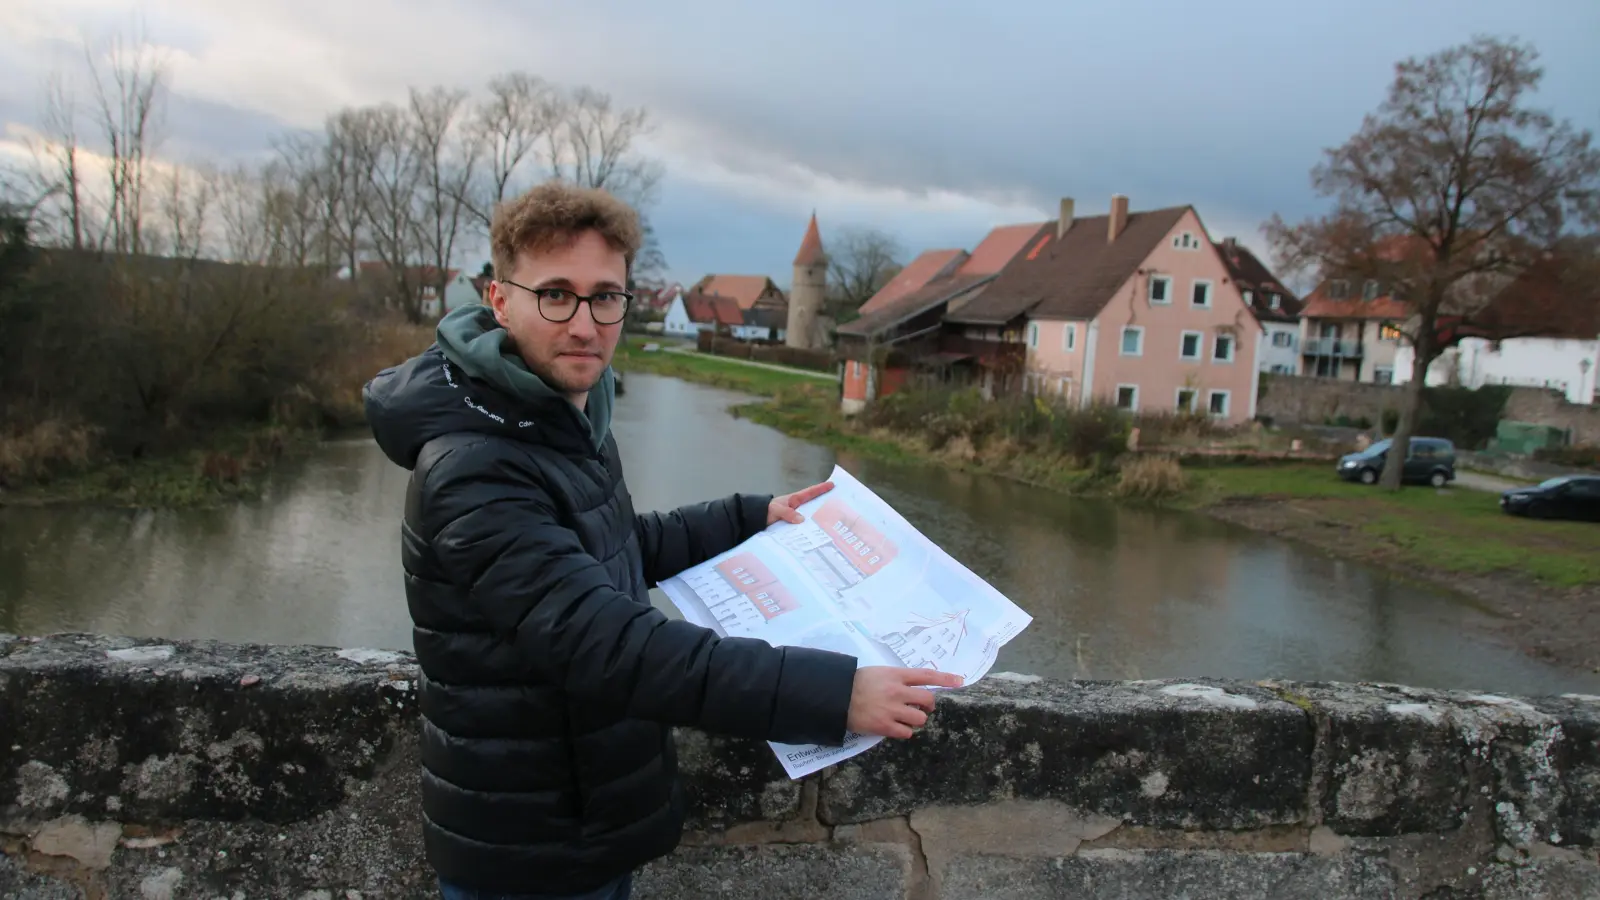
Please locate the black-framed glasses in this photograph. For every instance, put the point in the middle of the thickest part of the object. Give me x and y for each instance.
(560, 304)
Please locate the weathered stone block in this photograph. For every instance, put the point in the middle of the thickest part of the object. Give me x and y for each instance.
(1388, 762)
(729, 780)
(1542, 880)
(1396, 760)
(17, 882)
(780, 872)
(1575, 757)
(1120, 874)
(117, 728)
(1150, 753)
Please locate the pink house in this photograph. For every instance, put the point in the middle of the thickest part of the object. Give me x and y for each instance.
(1131, 308)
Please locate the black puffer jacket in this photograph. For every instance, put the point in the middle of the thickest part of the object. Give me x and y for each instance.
(549, 681)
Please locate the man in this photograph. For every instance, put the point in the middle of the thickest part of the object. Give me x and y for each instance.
(549, 682)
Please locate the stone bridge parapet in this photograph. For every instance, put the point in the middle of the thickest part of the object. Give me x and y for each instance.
(168, 769)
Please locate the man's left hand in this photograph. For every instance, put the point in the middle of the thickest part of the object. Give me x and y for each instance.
(783, 509)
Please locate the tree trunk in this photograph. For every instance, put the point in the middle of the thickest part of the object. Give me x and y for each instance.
(1411, 408)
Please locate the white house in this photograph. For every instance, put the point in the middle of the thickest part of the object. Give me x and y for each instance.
(1543, 331)
(694, 312)
(458, 291)
(1273, 304)
(1564, 364)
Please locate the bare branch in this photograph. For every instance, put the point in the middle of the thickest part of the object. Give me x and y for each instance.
(860, 262)
(1446, 193)
(509, 124)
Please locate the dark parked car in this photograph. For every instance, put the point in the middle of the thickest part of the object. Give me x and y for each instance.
(1567, 497)
(1430, 461)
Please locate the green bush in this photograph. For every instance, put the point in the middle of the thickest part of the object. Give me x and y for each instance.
(1093, 436)
(1465, 416)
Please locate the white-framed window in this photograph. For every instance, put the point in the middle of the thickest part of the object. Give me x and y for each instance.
(1369, 291)
(1188, 398)
(1217, 403)
(1186, 241)
(1338, 289)
(1160, 289)
(1133, 340)
(1033, 335)
(1383, 375)
(1222, 349)
(1249, 298)
(1128, 397)
(1200, 293)
(1282, 339)
(1273, 301)
(1189, 344)
(1069, 337)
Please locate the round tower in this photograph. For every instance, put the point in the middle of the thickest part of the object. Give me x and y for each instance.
(805, 296)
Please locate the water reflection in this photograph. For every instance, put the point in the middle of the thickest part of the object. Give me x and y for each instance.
(1115, 592)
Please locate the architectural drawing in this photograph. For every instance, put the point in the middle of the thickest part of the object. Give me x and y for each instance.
(856, 578)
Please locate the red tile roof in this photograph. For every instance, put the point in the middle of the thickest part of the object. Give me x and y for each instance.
(1318, 305)
(810, 245)
(706, 309)
(926, 267)
(744, 289)
(1073, 277)
(1249, 273)
(1545, 301)
(935, 293)
(998, 248)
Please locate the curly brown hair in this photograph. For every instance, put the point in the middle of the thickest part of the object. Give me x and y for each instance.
(552, 214)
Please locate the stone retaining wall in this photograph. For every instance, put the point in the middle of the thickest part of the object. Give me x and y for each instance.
(1300, 399)
(175, 770)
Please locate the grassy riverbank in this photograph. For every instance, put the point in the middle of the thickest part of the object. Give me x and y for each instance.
(185, 465)
(1541, 579)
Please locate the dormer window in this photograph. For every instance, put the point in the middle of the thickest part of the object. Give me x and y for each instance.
(1338, 289)
(1249, 298)
(1273, 300)
(1369, 291)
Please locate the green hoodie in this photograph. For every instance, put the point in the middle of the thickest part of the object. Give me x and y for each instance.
(472, 339)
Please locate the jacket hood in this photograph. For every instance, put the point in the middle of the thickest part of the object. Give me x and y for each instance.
(433, 394)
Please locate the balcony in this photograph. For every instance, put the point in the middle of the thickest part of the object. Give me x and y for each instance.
(987, 353)
(1332, 347)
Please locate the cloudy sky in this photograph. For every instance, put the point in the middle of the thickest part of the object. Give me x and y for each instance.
(932, 120)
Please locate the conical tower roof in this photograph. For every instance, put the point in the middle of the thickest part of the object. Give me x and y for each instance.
(811, 246)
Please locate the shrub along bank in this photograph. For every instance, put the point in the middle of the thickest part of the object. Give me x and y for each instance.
(153, 381)
(1544, 577)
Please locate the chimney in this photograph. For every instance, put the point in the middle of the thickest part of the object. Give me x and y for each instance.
(1118, 219)
(1231, 245)
(1066, 218)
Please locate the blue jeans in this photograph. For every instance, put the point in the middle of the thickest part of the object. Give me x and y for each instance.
(621, 889)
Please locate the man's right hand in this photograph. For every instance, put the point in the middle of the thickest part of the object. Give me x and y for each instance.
(887, 701)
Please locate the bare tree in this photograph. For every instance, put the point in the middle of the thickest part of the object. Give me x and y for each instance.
(344, 181)
(385, 148)
(298, 211)
(593, 144)
(860, 262)
(1453, 186)
(447, 156)
(57, 175)
(184, 205)
(519, 112)
(129, 98)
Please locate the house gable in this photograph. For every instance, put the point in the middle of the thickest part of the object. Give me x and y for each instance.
(1175, 330)
(745, 290)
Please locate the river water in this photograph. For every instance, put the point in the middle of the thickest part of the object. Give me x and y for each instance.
(1115, 592)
